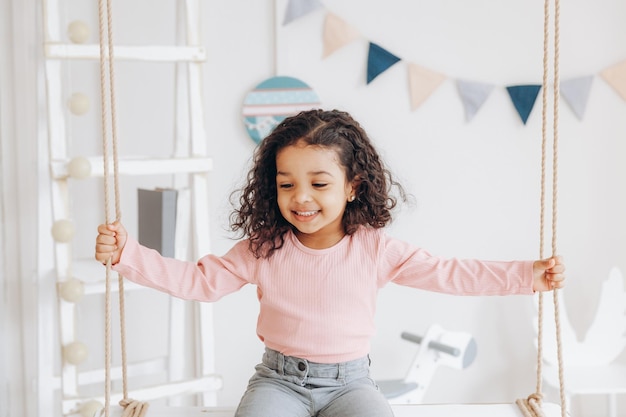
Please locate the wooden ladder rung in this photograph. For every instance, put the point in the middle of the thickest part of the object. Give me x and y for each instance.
(93, 275)
(172, 389)
(138, 166)
(133, 53)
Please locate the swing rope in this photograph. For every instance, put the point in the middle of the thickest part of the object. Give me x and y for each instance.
(531, 406)
(132, 408)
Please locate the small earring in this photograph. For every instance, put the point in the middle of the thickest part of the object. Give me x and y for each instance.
(351, 199)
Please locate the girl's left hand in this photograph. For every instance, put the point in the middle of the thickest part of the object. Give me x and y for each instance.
(548, 274)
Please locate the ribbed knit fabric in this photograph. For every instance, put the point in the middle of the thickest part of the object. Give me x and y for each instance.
(320, 304)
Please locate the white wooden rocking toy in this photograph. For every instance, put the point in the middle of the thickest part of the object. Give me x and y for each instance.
(437, 347)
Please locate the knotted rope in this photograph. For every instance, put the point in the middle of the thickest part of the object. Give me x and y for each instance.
(132, 408)
(531, 406)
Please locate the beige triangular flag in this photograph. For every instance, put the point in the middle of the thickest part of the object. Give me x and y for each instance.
(337, 33)
(422, 82)
(615, 76)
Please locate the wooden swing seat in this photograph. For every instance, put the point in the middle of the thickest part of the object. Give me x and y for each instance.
(412, 410)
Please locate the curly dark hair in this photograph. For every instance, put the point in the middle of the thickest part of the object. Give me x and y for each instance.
(258, 216)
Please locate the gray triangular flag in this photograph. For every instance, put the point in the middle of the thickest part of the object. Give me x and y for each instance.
(576, 93)
(299, 8)
(473, 95)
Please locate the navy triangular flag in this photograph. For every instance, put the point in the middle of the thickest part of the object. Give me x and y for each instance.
(378, 61)
(523, 97)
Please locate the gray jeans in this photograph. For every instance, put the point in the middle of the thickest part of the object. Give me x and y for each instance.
(286, 386)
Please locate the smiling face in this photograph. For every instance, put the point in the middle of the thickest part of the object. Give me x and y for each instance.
(312, 193)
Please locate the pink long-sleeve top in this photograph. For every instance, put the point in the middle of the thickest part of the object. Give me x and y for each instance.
(320, 304)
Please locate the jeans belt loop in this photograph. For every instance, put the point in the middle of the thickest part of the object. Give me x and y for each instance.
(341, 374)
(280, 363)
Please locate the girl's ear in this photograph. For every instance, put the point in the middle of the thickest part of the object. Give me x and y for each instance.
(355, 183)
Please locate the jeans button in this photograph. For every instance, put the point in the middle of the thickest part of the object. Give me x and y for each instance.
(301, 366)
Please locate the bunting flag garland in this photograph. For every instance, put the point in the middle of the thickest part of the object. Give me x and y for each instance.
(615, 76)
(378, 61)
(422, 82)
(473, 96)
(337, 33)
(576, 93)
(300, 8)
(523, 97)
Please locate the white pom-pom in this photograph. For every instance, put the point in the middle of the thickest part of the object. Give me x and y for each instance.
(63, 230)
(75, 353)
(79, 104)
(90, 408)
(79, 168)
(72, 290)
(78, 31)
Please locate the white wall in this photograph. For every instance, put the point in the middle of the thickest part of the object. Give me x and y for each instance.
(476, 184)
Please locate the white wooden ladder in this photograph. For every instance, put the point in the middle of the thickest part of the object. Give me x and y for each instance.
(187, 168)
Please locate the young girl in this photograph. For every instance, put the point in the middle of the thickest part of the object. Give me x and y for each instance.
(312, 215)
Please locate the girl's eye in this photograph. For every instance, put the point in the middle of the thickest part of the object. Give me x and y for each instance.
(319, 185)
(285, 186)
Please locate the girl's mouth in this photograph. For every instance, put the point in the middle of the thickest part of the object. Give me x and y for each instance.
(306, 213)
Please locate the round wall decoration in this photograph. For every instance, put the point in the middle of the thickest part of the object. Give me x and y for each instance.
(273, 100)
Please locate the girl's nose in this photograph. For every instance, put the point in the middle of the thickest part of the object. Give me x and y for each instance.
(302, 196)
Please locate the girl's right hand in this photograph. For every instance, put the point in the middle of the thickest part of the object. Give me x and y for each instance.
(110, 242)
